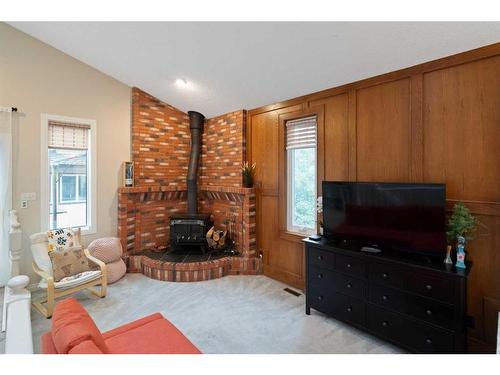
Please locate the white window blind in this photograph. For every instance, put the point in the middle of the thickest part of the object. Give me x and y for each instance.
(68, 135)
(301, 133)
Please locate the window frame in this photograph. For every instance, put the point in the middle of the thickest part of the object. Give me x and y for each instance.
(91, 227)
(280, 192)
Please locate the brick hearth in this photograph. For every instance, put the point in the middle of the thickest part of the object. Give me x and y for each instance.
(160, 151)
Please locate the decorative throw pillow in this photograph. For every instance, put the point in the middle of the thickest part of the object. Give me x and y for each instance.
(60, 239)
(69, 263)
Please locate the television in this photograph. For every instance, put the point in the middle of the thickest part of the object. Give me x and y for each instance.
(397, 216)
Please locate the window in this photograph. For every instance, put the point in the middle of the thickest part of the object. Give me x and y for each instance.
(68, 173)
(301, 175)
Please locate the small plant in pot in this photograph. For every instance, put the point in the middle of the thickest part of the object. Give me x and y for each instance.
(460, 229)
(248, 173)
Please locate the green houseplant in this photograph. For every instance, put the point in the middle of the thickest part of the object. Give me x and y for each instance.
(248, 172)
(460, 229)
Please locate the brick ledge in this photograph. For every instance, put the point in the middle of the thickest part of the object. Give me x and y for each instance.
(196, 271)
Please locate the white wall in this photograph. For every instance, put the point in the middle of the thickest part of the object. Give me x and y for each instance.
(37, 78)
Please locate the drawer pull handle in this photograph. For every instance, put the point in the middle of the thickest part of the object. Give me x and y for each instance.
(385, 276)
(320, 257)
(349, 265)
(428, 312)
(385, 298)
(428, 341)
(320, 275)
(385, 323)
(320, 298)
(349, 309)
(349, 285)
(428, 287)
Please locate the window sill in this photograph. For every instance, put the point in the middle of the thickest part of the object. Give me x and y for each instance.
(88, 232)
(293, 236)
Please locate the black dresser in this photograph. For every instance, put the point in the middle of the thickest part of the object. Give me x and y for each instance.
(409, 301)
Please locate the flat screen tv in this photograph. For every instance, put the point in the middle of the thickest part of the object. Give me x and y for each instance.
(396, 216)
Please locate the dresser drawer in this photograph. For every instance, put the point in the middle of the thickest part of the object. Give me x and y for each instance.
(419, 336)
(350, 265)
(433, 287)
(388, 298)
(348, 285)
(321, 300)
(385, 323)
(320, 277)
(426, 339)
(431, 311)
(320, 258)
(350, 309)
(385, 274)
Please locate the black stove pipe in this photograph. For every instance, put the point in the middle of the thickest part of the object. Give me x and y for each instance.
(196, 121)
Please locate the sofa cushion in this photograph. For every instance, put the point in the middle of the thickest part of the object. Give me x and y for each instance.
(152, 334)
(72, 325)
(85, 347)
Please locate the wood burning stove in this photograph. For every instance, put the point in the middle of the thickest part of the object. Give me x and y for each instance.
(188, 230)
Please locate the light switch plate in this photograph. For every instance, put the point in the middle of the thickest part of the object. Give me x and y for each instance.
(28, 196)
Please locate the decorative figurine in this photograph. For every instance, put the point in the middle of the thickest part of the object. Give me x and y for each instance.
(319, 210)
(460, 252)
(448, 255)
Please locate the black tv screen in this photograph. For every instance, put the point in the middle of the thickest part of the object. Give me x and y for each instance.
(396, 216)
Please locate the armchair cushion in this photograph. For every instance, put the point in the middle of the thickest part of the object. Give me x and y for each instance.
(72, 281)
(61, 239)
(39, 249)
(69, 262)
(72, 325)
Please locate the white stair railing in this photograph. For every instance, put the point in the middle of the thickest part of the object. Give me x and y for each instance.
(15, 249)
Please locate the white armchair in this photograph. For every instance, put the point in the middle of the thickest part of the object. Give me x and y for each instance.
(43, 267)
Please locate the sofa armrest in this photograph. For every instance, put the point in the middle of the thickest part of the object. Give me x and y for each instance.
(132, 325)
(86, 347)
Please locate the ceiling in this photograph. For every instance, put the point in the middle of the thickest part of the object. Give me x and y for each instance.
(230, 66)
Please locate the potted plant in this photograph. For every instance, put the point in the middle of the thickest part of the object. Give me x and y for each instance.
(248, 172)
(460, 228)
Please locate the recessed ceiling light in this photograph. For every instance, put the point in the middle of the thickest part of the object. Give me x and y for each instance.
(181, 82)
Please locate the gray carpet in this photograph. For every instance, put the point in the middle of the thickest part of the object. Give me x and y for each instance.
(234, 314)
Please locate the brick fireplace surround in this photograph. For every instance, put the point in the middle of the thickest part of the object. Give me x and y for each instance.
(160, 152)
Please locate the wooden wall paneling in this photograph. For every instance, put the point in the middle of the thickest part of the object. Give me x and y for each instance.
(352, 136)
(417, 130)
(383, 132)
(434, 122)
(462, 129)
(335, 137)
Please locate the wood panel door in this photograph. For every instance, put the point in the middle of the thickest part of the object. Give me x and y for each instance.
(282, 259)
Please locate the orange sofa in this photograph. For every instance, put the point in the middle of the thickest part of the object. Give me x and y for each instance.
(74, 332)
